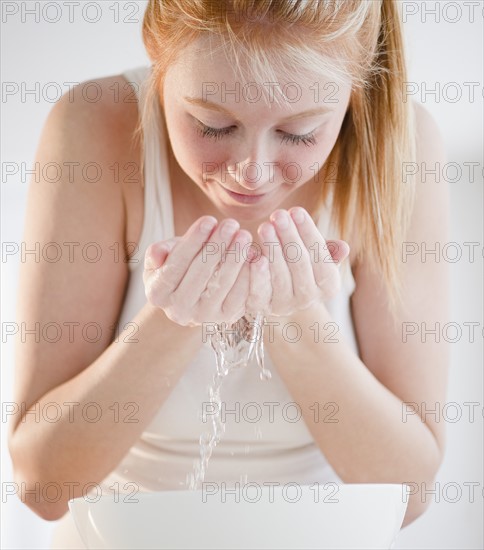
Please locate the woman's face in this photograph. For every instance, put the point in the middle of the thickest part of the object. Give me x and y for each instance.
(248, 156)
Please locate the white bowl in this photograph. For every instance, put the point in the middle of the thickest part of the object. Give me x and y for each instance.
(286, 516)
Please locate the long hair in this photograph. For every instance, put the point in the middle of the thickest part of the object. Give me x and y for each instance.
(360, 39)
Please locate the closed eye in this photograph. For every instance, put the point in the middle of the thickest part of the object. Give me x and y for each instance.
(215, 133)
(307, 139)
(218, 133)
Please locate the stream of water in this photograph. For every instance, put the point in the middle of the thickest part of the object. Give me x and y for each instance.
(235, 346)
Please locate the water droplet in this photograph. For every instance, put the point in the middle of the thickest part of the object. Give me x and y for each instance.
(265, 374)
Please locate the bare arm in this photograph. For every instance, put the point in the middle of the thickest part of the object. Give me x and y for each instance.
(140, 367)
(377, 437)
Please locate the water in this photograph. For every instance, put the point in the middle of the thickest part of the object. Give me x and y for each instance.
(235, 346)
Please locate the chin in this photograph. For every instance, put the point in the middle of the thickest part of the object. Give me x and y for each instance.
(248, 212)
(244, 214)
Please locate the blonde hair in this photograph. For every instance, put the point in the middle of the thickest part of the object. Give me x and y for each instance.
(357, 39)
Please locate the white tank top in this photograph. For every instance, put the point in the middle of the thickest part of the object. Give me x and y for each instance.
(266, 438)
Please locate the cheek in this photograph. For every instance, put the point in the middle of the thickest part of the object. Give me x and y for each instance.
(207, 158)
(194, 154)
(299, 164)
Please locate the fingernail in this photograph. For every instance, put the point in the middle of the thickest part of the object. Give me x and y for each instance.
(267, 231)
(298, 215)
(229, 228)
(207, 225)
(281, 219)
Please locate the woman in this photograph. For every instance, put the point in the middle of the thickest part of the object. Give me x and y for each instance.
(274, 123)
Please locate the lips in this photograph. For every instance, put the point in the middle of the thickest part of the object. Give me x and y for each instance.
(243, 198)
(244, 194)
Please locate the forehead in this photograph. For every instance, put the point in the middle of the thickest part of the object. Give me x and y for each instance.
(204, 70)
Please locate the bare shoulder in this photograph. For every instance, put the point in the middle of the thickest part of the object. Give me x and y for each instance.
(429, 140)
(109, 103)
(432, 194)
(100, 116)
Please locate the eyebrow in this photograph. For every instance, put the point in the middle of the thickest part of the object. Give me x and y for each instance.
(218, 108)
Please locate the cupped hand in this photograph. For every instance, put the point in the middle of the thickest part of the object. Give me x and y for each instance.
(295, 267)
(202, 276)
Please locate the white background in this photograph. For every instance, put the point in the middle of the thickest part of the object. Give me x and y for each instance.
(439, 52)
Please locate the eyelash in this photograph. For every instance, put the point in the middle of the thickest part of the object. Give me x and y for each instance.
(219, 133)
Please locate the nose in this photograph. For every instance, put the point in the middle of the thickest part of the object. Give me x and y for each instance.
(256, 171)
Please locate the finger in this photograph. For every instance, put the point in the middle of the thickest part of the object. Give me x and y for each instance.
(297, 257)
(260, 290)
(234, 305)
(280, 275)
(225, 276)
(155, 255)
(339, 250)
(185, 251)
(206, 261)
(321, 259)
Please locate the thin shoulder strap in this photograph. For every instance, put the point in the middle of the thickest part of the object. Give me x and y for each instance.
(158, 223)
